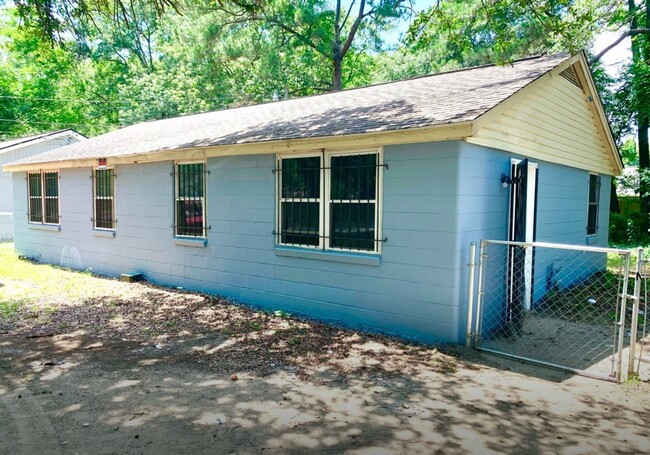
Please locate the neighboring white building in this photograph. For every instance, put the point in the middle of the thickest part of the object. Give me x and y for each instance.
(18, 149)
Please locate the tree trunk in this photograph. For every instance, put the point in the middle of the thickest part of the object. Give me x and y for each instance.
(644, 168)
(337, 62)
(337, 80)
(614, 206)
(640, 49)
(644, 114)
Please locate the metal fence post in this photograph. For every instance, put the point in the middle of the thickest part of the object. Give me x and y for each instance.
(479, 299)
(635, 311)
(621, 322)
(470, 292)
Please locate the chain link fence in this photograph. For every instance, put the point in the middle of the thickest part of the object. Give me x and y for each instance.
(557, 305)
(6, 227)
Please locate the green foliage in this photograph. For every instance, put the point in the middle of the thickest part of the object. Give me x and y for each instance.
(475, 31)
(628, 229)
(629, 153)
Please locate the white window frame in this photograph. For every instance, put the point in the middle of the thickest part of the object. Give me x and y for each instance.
(43, 196)
(95, 197)
(596, 203)
(324, 199)
(177, 199)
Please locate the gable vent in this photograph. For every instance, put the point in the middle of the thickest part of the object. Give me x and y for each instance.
(570, 75)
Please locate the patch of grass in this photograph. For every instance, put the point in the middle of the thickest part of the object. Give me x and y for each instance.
(9, 309)
(615, 261)
(26, 282)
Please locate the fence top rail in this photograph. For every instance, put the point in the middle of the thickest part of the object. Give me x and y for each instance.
(559, 246)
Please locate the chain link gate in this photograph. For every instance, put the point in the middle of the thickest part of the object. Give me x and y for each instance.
(640, 348)
(562, 306)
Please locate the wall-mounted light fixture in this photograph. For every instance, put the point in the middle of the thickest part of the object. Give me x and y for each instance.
(506, 180)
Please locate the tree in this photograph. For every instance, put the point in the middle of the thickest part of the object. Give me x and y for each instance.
(329, 32)
(46, 88)
(641, 81)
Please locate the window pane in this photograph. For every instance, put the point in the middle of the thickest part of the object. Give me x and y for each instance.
(189, 200)
(300, 223)
(35, 201)
(190, 180)
(301, 177)
(352, 226)
(51, 210)
(35, 185)
(593, 188)
(51, 197)
(104, 183)
(190, 218)
(104, 217)
(354, 177)
(52, 184)
(592, 223)
(104, 213)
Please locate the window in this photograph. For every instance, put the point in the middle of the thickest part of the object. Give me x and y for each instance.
(331, 207)
(189, 195)
(592, 210)
(43, 194)
(104, 199)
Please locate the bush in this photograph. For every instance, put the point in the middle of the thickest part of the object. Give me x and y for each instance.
(627, 229)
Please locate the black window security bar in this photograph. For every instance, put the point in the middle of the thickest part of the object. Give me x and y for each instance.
(346, 218)
(594, 195)
(104, 190)
(43, 194)
(35, 197)
(189, 200)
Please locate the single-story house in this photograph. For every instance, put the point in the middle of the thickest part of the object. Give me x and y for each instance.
(17, 149)
(356, 206)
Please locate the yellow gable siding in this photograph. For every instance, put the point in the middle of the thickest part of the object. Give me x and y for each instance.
(551, 121)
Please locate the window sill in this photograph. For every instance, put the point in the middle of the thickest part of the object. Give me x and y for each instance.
(45, 227)
(591, 239)
(332, 256)
(196, 243)
(102, 233)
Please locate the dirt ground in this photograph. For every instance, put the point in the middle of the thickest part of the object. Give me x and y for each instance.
(95, 366)
(71, 393)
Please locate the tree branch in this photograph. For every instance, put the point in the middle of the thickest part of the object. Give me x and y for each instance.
(355, 27)
(633, 32)
(348, 14)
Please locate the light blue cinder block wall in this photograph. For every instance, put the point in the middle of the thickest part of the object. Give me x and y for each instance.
(437, 198)
(562, 201)
(412, 291)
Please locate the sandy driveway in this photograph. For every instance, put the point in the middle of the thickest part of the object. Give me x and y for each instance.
(71, 393)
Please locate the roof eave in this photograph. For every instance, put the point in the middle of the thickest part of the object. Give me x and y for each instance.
(449, 131)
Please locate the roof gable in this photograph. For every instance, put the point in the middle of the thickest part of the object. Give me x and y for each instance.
(558, 118)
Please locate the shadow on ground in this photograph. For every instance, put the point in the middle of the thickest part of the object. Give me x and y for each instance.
(71, 393)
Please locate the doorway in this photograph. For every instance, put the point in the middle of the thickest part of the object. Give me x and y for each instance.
(521, 228)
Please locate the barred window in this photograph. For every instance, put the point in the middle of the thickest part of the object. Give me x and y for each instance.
(43, 194)
(189, 209)
(300, 201)
(592, 209)
(331, 207)
(104, 199)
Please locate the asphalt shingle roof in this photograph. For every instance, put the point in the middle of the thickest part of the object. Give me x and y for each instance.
(439, 99)
(6, 145)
